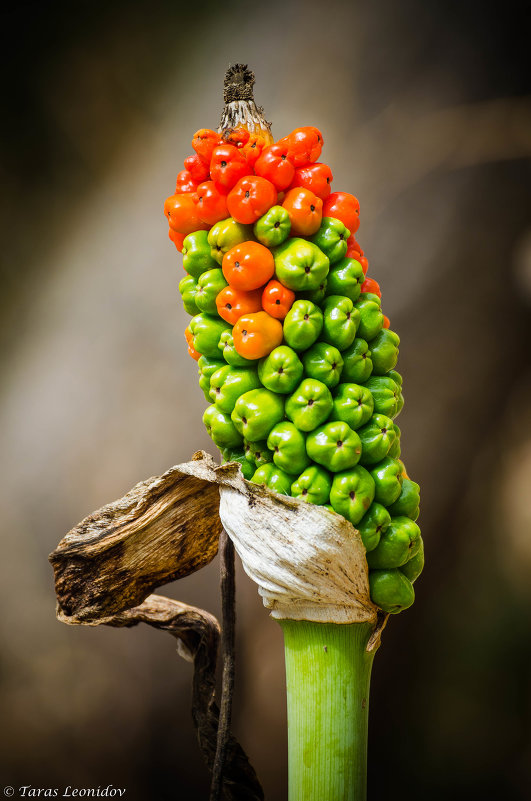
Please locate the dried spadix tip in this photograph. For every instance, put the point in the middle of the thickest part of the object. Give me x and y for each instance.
(238, 83)
(240, 110)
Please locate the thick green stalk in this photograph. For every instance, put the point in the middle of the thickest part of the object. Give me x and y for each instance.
(328, 673)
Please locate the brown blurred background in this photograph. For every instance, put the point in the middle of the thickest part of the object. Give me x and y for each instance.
(426, 114)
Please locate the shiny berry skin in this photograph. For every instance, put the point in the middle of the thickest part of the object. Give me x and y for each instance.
(345, 207)
(184, 183)
(182, 214)
(364, 263)
(253, 148)
(204, 142)
(370, 285)
(256, 335)
(211, 203)
(232, 303)
(189, 341)
(315, 177)
(248, 266)
(197, 168)
(274, 164)
(305, 145)
(227, 166)
(305, 211)
(277, 299)
(251, 198)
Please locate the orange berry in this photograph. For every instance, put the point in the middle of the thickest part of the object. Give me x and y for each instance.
(204, 142)
(182, 214)
(251, 198)
(256, 335)
(190, 341)
(248, 265)
(232, 303)
(277, 299)
(305, 211)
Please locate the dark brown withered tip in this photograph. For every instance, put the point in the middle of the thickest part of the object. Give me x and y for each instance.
(238, 83)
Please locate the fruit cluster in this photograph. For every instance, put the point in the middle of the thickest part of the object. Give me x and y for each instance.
(294, 353)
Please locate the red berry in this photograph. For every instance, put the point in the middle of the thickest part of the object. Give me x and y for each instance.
(197, 168)
(370, 285)
(274, 164)
(182, 214)
(184, 183)
(305, 145)
(204, 142)
(344, 207)
(277, 299)
(211, 203)
(248, 266)
(251, 198)
(253, 148)
(315, 177)
(236, 136)
(227, 166)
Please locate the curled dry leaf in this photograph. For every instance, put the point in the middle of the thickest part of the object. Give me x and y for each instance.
(197, 634)
(163, 529)
(309, 563)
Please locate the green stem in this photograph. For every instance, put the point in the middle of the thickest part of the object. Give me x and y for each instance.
(328, 673)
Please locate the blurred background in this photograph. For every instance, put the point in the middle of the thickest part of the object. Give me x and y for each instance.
(426, 114)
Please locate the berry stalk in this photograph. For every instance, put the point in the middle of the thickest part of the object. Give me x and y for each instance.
(328, 672)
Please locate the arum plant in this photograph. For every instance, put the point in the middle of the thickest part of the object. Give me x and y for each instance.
(298, 361)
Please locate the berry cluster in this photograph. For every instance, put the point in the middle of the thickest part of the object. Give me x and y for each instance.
(294, 353)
